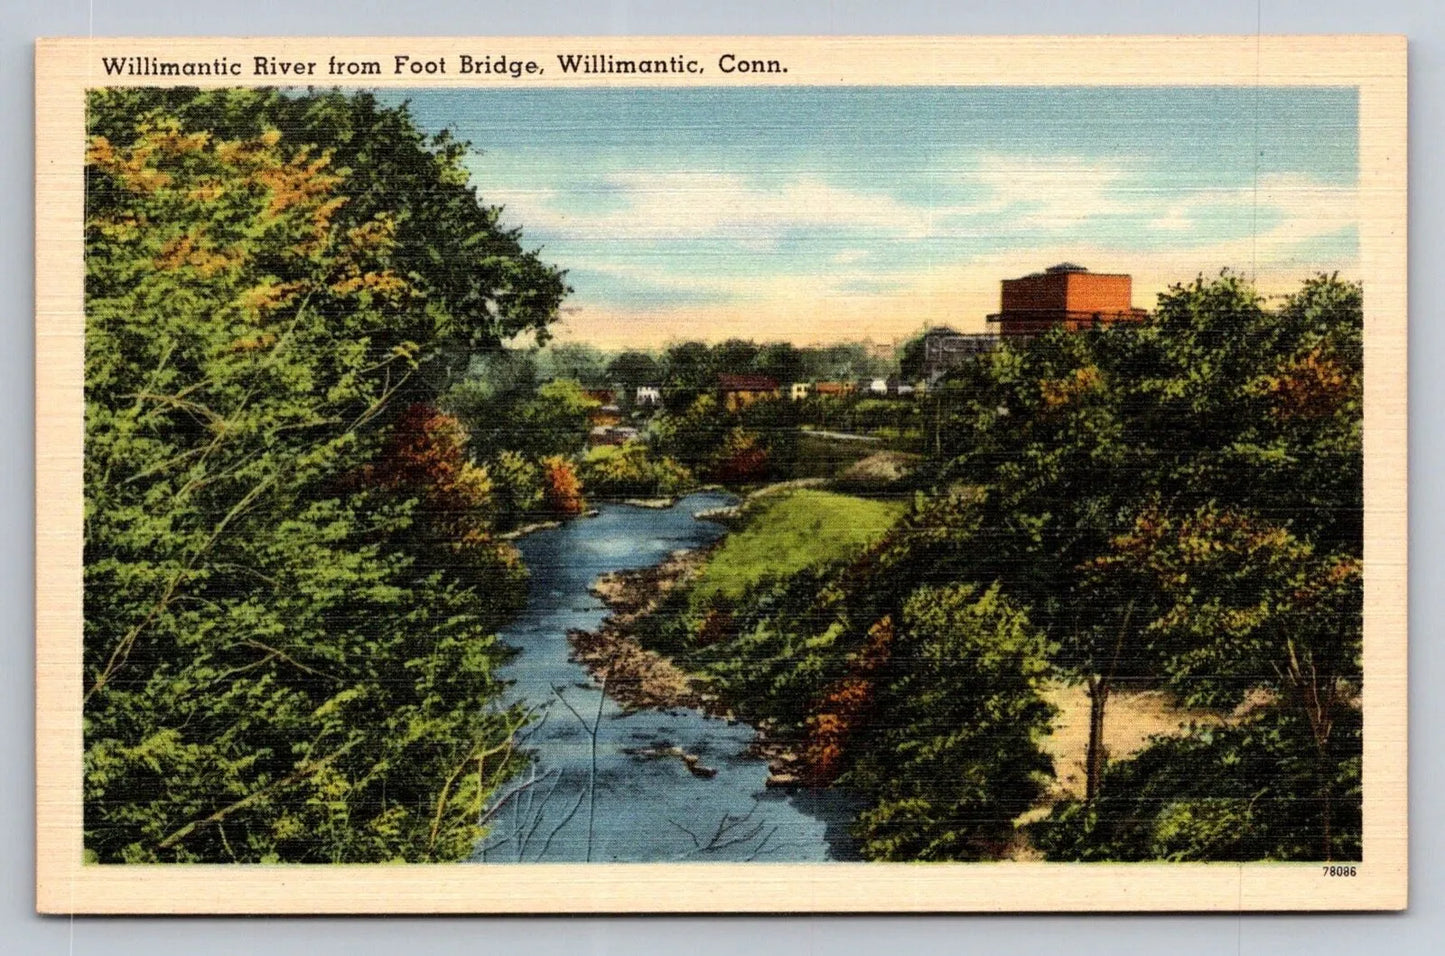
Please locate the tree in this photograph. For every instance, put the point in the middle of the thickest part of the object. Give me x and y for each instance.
(503, 408)
(633, 369)
(910, 357)
(1216, 402)
(574, 361)
(735, 356)
(688, 373)
(466, 273)
(561, 491)
(780, 361)
(1247, 606)
(555, 422)
(286, 652)
(951, 756)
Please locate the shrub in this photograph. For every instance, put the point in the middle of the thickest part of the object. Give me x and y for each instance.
(516, 488)
(561, 490)
(631, 471)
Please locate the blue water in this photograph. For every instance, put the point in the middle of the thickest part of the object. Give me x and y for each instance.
(581, 802)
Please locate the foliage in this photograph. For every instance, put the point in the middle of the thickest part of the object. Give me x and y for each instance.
(1227, 428)
(554, 422)
(692, 436)
(952, 756)
(1177, 503)
(631, 471)
(290, 579)
(516, 488)
(1219, 793)
(741, 458)
(844, 706)
(633, 369)
(791, 530)
(561, 490)
(503, 407)
(574, 361)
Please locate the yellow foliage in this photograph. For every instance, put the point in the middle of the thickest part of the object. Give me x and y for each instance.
(1057, 392)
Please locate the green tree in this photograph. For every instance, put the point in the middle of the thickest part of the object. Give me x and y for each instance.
(575, 361)
(780, 361)
(953, 754)
(632, 369)
(910, 358)
(1248, 607)
(688, 373)
(287, 653)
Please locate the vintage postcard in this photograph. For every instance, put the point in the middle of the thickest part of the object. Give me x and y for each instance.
(721, 474)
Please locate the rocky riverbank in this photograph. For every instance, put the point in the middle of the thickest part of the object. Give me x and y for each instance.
(634, 677)
(638, 678)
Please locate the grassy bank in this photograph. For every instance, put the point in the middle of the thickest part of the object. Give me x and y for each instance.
(784, 533)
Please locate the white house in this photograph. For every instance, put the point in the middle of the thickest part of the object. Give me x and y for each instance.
(799, 391)
(649, 395)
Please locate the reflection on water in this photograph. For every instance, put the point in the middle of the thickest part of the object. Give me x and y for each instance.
(607, 786)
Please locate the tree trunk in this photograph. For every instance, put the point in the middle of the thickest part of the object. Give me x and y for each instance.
(1094, 766)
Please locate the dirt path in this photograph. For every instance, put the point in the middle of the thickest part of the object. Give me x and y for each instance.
(1130, 719)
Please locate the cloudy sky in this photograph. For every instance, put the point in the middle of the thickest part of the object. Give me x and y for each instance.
(824, 214)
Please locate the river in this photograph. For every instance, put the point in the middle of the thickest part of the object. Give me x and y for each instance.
(623, 794)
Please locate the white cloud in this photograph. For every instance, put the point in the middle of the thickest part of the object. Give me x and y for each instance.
(1302, 208)
(659, 205)
(1030, 212)
(1046, 193)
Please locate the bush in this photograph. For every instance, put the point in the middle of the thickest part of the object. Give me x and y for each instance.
(630, 471)
(1252, 792)
(742, 458)
(516, 488)
(561, 491)
(950, 756)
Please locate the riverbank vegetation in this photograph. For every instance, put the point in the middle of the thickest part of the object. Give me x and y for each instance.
(788, 530)
(1173, 506)
(320, 394)
(292, 576)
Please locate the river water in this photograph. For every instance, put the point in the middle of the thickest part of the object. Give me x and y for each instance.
(622, 794)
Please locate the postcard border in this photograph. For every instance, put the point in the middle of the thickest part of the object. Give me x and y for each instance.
(65, 68)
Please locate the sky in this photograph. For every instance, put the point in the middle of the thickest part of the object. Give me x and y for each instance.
(816, 215)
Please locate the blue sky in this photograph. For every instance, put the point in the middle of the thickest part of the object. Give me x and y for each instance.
(816, 214)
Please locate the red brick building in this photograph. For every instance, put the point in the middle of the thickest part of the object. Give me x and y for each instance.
(739, 391)
(1066, 295)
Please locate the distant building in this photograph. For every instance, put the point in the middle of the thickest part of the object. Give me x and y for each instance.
(604, 416)
(874, 386)
(648, 396)
(945, 350)
(834, 389)
(1065, 295)
(611, 435)
(799, 391)
(740, 391)
(898, 387)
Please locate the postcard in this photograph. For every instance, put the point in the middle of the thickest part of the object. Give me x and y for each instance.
(562, 475)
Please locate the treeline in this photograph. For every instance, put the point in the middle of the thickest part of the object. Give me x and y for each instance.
(292, 572)
(1176, 505)
(538, 403)
(685, 370)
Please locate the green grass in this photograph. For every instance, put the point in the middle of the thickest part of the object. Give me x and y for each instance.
(789, 531)
(820, 457)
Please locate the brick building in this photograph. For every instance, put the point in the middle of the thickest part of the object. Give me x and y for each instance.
(1066, 295)
(739, 391)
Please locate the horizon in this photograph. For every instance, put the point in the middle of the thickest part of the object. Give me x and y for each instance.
(818, 215)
